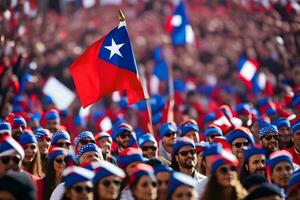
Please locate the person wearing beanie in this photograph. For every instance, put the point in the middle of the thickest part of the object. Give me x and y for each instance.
(281, 168)
(167, 134)
(265, 191)
(284, 128)
(293, 190)
(52, 121)
(5, 128)
(254, 162)
(190, 129)
(269, 138)
(200, 159)
(211, 132)
(181, 186)
(148, 145)
(162, 173)
(142, 182)
(32, 160)
(18, 126)
(89, 153)
(240, 138)
(295, 149)
(208, 153)
(122, 137)
(223, 182)
(104, 141)
(78, 183)
(243, 112)
(61, 139)
(83, 138)
(107, 180)
(43, 138)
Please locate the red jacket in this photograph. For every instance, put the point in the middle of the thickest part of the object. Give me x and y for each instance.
(295, 154)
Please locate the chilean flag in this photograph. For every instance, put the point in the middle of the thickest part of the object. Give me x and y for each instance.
(179, 27)
(247, 72)
(108, 65)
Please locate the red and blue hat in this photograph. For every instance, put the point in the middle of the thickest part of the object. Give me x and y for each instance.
(56, 151)
(294, 182)
(41, 133)
(254, 150)
(243, 109)
(5, 128)
(279, 156)
(9, 145)
(27, 137)
(52, 114)
(104, 168)
(19, 121)
(60, 135)
(75, 174)
(178, 179)
(212, 149)
(282, 122)
(130, 155)
(88, 148)
(213, 130)
(83, 135)
(148, 137)
(167, 127)
(296, 128)
(162, 168)
(121, 129)
(224, 158)
(187, 126)
(241, 132)
(181, 142)
(140, 170)
(102, 135)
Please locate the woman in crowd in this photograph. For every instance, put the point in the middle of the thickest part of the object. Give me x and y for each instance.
(43, 138)
(32, 159)
(162, 174)
(223, 182)
(107, 180)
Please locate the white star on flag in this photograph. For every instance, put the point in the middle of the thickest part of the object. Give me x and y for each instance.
(114, 48)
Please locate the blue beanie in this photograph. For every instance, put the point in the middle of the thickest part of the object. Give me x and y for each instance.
(187, 127)
(75, 174)
(121, 129)
(178, 179)
(27, 137)
(130, 155)
(265, 130)
(254, 150)
(41, 133)
(5, 128)
(56, 151)
(183, 141)
(212, 149)
(88, 148)
(279, 156)
(213, 130)
(162, 168)
(282, 122)
(60, 135)
(224, 158)
(140, 170)
(83, 135)
(18, 120)
(104, 168)
(296, 128)
(148, 137)
(167, 127)
(241, 133)
(52, 114)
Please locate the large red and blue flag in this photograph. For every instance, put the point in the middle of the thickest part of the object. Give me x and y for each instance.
(178, 25)
(108, 65)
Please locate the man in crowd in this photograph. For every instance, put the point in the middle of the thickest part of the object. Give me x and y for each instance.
(122, 137)
(148, 145)
(295, 150)
(167, 133)
(284, 128)
(19, 124)
(269, 138)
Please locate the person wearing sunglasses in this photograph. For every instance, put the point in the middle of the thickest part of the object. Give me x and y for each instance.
(162, 173)
(295, 149)
(148, 145)
(167, 134)
(211, 132)
(78, 183)
(11, 154)
(52, 121)
(143, 183)
(189, 128)
(181, 187)
(107, 180)
(18, 126)
(104, 141)
(83, 138)
(32, 160)
(43, 138)
(223, 182)
(61, 139)
(122, 137)
(54, 170)
(269, 138)
(240, 138)
(254, 162)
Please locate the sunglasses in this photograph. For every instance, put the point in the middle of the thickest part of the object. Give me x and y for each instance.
(84, 142)
(5, 159)
(80, 189)
(107, 183)
(62, 144)
(186, 194)
(146, 184)
(225, 170)
(125, 135)
(47, 139)
(185, 153)
(169, 134)
(240, 144)
(61, 160)
(32, 147)
(213, 136)
(146, 148)
(163, 182)
(269, 137)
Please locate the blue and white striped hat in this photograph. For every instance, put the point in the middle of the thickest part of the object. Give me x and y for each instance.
(267, 129)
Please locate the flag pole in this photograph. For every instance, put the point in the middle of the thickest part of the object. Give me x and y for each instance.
(150, 124)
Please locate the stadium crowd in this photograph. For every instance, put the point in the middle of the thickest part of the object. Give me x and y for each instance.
(227, 137)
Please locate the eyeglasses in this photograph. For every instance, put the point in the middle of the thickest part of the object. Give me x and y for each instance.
(240, 144)
(225, 170)
(62, 144)
(182, 194)
(146, 148)
(124, 135)
(84, 142)
(161, 182)
(60, 160)
(185, 153)
(269, 137)
(32, 147)
(146, 184)
(5, 159)
(213, 136)
(170, 133)
(107, 183)
(80, 189)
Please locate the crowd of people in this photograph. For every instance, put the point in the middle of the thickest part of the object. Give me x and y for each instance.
(221, 140)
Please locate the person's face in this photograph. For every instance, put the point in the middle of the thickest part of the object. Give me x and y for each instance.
(10, 162)
(237, 147)
(169, 139)
(226, 175)
(84, 141)
(245, 119)
(296, 139)
(63, 143)
(186, 157)
(211, 138)
(194, 135)
(270, 141)
(52, 125)
(16, 131)
(123, 139)
(44, 144)
(109, 187)
(281, 173)
(294, 194)
(105, 144)
(5, 195)
(146, 189)
(90, 156)
(257, 164)
(30, 152)
(149, 150)
(81, 190)
(59, 164)
(184, 192)
(162, 181)
(285, 135)
(129, 168)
